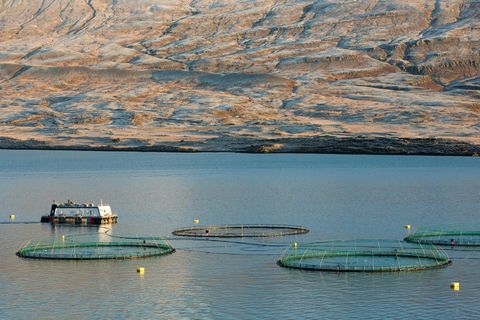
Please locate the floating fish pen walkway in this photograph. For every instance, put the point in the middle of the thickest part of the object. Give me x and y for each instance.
(364, 256)
(240, 231)
(445, 237)
(63, 250)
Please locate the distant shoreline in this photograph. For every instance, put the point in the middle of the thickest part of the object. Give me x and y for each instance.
(320, 145)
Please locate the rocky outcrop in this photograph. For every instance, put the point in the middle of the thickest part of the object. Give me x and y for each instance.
(366, 76)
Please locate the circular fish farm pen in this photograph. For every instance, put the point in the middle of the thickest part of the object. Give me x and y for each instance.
(364, 256)
(445, 237)
(240, 231)
(63, 250)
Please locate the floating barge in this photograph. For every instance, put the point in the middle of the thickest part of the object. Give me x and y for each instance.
(76, 213)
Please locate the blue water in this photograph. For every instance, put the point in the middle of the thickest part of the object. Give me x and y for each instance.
(336, 196)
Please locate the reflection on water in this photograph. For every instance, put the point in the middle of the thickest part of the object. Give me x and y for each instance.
(337, 197)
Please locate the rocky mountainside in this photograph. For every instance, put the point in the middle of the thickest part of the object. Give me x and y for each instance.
(369, 76)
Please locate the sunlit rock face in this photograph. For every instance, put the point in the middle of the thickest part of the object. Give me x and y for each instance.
(389, 76)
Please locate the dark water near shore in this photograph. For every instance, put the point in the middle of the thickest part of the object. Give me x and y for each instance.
(337, 197)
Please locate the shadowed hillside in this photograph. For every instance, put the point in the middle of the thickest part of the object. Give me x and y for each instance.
(359, 76)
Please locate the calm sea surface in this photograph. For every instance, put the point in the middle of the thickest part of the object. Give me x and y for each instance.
(336, 196)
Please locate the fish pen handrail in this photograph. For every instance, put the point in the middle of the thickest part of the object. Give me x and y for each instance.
(375, 259)
(445, 237)
(240, 230)
(94, 250)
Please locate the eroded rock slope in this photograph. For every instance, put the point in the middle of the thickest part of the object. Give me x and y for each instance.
(376, 76)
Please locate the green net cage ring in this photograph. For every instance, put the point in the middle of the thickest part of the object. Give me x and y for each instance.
(63, 250)
(363, 256)
(445, 237)
(240, 231)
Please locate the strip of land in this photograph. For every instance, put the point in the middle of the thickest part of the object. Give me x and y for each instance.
(366, 76)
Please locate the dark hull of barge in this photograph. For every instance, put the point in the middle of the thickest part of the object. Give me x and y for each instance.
(80, 220)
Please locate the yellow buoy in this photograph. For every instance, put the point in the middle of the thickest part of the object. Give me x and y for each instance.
(141, 270)
(196, 221)
(63, 237)
(12, 217)
(408, 227)
(455, 286)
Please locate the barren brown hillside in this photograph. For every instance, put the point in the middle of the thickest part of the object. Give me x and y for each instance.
(370, 76)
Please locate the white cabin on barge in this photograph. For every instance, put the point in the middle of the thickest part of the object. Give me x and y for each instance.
(75, 213)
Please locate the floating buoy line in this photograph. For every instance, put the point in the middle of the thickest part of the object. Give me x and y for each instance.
(19, 222)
